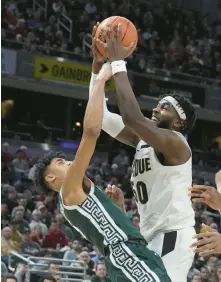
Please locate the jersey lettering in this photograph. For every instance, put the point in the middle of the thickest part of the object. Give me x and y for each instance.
(140, 192)
(140, 166)
(157, 190)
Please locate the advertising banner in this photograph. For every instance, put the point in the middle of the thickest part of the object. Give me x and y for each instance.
(63, 71)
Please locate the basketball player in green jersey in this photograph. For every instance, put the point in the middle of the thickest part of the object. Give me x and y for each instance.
(90, 211)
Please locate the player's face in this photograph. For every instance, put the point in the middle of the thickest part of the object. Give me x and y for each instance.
(56, 173)
(164, 115)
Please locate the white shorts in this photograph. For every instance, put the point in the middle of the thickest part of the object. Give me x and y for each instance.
(174, 249)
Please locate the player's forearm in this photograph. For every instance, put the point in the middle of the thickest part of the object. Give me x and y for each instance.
(126, 99)
(94, 111)
(112, 123)
(132, 116)
(96, 66)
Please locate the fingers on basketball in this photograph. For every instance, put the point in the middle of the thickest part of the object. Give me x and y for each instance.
(99, 42)
(130, 47)
(119, 32)
(126, 33)
(108, 34)
(95, 29)
(93, 43)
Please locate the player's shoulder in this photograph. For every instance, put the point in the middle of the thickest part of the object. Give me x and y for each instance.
(180, 135)
(182, 138)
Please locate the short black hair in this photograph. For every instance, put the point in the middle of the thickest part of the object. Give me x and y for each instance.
(189, 110)
(40, 168)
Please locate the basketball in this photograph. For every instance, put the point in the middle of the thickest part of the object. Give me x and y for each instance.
(129, 33)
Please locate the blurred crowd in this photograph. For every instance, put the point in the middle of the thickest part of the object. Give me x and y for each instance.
(171, 38)
(33, 226)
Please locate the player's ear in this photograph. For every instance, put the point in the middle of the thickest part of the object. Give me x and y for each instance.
(50, 178)
(178, 123)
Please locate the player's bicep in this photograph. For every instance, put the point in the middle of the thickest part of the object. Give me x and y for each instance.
(150, 133)
(162, 140)
(128, 137)
(75, 174)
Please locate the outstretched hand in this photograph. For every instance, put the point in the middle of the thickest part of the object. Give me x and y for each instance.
(207, 195)
(115, 50)
(208, 243)
(96, 54)
(116, 195)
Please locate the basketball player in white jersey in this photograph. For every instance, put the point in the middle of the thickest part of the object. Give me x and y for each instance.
(162, 166)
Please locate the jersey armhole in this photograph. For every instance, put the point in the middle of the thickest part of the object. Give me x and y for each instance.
(180, 135)
(73, 207)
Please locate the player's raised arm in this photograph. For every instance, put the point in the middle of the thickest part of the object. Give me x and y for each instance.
(112, 123)
(162, 140)
(92, 128)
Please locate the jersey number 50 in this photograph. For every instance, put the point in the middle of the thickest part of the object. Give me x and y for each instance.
(140, 192)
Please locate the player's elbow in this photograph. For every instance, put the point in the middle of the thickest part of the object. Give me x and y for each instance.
(128, 120)
(92, 131)
(131, 120)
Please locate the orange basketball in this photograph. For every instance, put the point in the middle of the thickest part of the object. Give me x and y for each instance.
(129, 33)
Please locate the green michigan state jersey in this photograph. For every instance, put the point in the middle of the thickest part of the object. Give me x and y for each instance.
(100, 220)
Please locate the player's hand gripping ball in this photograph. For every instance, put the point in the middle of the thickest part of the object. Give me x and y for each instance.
(109, 29)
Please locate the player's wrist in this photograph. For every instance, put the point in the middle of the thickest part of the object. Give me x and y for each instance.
(118, 66)
(100, 79)
(96, 66)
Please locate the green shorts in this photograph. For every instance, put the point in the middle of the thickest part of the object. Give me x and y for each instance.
(130, 261)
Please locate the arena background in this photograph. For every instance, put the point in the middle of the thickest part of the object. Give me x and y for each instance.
(46, 66)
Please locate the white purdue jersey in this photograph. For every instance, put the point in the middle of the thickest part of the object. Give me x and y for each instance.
(161, 193)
